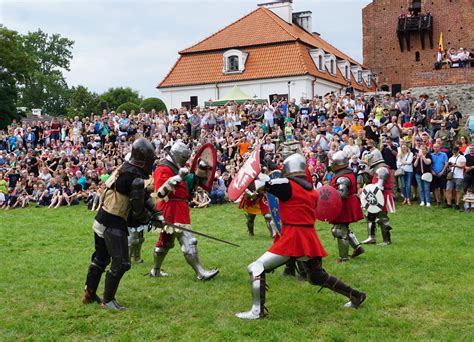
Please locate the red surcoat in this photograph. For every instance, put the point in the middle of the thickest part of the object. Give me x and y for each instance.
(387, 192)
(351, 210)
(176, 209)
(298, 214)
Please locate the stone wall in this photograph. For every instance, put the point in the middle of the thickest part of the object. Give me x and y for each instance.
(461, 95)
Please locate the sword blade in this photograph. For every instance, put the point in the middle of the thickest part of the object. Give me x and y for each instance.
(200, 234)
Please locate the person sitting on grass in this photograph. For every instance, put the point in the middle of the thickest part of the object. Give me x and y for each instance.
(201, 199)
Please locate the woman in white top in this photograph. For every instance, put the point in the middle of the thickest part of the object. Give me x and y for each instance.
(405, 162)
(351, 149)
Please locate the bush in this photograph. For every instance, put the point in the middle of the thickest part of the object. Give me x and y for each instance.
(153, 103)
(128, 106)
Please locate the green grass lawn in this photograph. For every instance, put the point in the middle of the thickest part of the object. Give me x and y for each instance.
(419, 288)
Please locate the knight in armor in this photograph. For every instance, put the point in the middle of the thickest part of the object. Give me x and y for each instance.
(125, 194)
(383, 178)
(255, 204)
(298, 239)
(173, 183)
(345, 182)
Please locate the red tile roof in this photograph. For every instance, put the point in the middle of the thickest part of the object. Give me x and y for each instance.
(275, 49)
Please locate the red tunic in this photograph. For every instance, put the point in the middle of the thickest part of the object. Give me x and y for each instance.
(298, 236)
(387, 192)
(351, 210)
(176, 209)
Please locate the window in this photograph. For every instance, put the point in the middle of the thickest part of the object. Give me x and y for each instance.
(346, 72)
(234, 61)
(320, 62)
(417, 56)
(332, 67)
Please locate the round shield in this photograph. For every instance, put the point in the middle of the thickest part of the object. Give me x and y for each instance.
(245, 176)
(372, 199)
(329, 204)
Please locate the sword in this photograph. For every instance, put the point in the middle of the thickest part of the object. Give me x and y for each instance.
(197, 233)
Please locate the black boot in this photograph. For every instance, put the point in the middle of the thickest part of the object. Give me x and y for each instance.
(301, 271)
(110, 289)
(355, 297)
(92, 283)
(290, 269)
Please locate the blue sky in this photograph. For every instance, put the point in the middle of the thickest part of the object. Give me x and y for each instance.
(135, 43)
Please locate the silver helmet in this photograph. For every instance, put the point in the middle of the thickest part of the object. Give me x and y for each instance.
(374, 158)
(339, 160)
(179, 153)
(294, 165)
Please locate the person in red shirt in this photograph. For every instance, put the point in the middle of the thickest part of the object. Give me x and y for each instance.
(345, 182)
(298, 239)
(170, 185)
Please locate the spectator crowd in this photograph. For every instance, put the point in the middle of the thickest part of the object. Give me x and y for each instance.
(426, 142)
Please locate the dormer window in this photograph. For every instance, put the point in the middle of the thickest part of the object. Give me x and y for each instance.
(346, 72)
(320, 62)
(234, 61)
(332, 67)
(318, 56)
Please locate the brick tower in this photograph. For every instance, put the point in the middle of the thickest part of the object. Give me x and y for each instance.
(401, 37)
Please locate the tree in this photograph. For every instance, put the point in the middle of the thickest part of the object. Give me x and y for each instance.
(16, 68)
(82, 102)
(128, 106)
(153, 103)
(47, 89)
(117, 96)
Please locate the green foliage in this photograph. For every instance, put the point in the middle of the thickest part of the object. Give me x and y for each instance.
(16, 67)
(47, 89)
(82, 102)
(117, 96)
(419, 288)
(128, 106)
(153, 103)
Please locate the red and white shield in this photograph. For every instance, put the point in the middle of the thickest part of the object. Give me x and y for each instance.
(246, 175)
(329, 204)
(206, 153)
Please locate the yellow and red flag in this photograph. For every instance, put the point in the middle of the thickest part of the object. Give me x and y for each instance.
(440, 47)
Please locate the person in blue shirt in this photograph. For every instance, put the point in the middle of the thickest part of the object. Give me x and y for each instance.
(439, 165)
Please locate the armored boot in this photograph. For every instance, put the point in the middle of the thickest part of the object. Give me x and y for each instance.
(371, 233)
(270, 225)
(138, 249)
(201, 272)
(110, 289)
(290, 268)
(355, 244)
(92, 283)
(385, 235)
(138, 253)
(343, 247)
(258, 310)
(158, 256)
(250, 224)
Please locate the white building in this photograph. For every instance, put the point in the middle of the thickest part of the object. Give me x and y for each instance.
(272, 50)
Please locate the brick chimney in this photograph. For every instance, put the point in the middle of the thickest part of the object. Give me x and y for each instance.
(282, 8)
